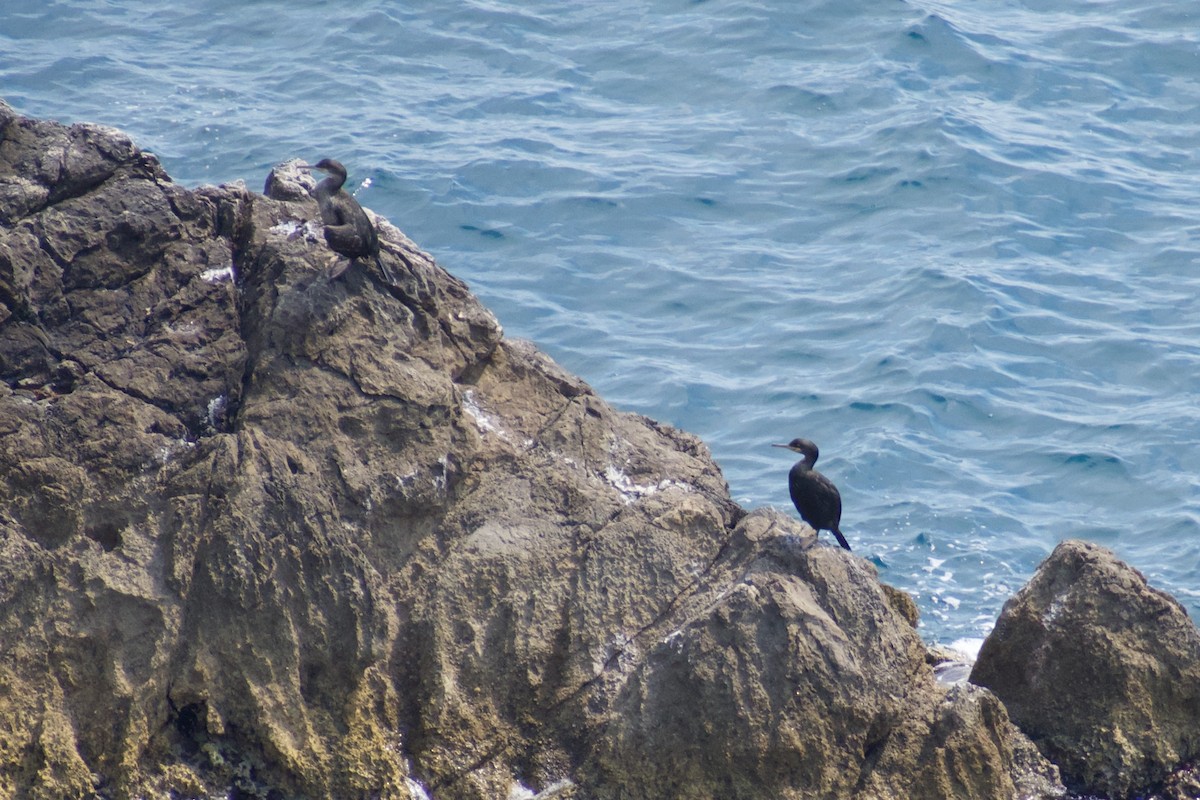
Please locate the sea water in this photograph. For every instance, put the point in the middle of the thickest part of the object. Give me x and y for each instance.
(957, 244)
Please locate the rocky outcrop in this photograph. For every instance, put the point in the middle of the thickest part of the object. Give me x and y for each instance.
(263, 535)
(798, 679)
(1101, 670)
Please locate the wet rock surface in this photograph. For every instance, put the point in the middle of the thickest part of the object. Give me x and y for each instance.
(267, 535)
(1102, 671)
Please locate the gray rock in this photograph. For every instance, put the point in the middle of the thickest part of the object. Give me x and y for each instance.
(267, 535)
(1100, 669)
(799, 679)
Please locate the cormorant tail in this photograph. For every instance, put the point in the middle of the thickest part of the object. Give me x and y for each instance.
(841, 539)
(387, 273)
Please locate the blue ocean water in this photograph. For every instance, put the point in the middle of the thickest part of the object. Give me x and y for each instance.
(957, 244)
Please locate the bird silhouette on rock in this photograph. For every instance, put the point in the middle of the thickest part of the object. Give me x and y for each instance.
(814, 495)
(349, 231)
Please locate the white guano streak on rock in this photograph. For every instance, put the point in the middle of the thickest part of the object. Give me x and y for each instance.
(286, 228)
(631, 491)
(439, 481)
(484, 422)
(216, 407)
(416, 789)
(519, 791)
(168, 452)
(217, 274)
(291, 228)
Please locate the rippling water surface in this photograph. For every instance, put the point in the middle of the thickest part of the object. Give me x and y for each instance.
(955, 243)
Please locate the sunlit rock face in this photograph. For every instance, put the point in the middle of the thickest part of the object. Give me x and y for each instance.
(263, 534)
(1100, 669)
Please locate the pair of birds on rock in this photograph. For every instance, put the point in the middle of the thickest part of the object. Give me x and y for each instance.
(349, 232)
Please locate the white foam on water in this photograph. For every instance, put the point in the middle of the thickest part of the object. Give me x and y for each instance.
(968, 646)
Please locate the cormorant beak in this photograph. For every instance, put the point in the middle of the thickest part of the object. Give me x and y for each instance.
(786, 447)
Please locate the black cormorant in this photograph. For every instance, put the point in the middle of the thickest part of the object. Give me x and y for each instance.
(348, 229)
(814, 495)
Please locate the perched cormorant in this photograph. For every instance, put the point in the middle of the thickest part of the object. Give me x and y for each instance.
(814, 495)
(348, 229)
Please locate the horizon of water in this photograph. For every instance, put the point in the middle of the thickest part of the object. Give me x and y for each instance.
(955, 244)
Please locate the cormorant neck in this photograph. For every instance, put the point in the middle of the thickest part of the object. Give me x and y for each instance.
(330, 185)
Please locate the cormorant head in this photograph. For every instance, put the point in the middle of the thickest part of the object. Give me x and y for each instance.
(328, 165)
(804, 447)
